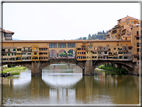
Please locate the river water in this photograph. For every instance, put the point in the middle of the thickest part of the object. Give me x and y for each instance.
(65, 84)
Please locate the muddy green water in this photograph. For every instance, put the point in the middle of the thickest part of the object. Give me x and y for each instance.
(65, 84)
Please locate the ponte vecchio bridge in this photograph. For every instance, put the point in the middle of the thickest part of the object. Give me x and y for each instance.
(87, 54)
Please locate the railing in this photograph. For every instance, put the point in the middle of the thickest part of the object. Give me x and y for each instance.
(62, 58)
(36, 50)
(26, 50)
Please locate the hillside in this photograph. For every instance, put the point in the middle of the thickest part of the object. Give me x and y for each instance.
(99, 35)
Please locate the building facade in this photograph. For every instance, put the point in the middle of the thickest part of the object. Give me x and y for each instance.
(122, 43)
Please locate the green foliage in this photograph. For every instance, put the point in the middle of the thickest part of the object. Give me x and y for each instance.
(15, 73)
(62, 54)
(70, 51)
(70, 54)
(109, 68)
(99, 35)
(84, 38)
(15, 69)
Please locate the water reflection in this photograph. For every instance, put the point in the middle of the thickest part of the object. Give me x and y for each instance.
(70, 88)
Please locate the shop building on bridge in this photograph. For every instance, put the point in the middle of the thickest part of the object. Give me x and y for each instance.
(122, 43)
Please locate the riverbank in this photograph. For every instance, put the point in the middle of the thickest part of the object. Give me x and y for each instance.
(14, 70)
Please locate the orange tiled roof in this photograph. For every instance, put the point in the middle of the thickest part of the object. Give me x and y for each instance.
(6, 31)
(127, 17)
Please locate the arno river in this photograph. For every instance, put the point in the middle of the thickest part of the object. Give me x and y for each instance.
(65, 84)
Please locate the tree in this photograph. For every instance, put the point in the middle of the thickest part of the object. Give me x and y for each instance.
(62, 54)
(84, 38)
(89, 37)
(80, 38)
(70, 51)
(70, 54)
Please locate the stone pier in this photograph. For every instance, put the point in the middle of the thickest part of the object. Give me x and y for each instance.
(36, 68)
(89, 68)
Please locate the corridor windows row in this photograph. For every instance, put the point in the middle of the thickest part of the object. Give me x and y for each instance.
(61, 45)
(52, 45)
(71, 45)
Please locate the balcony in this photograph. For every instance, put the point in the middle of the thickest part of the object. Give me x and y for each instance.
(19, 52)
(36, 50)
(27, 50)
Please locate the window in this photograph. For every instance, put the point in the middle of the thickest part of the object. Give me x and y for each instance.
(114, 48)
(9, 54)
(105, 52)
(29, 53)
(61, 45)
(3, 49)
(137, 49)
(137, 38)
(137, 44)
(120, 57)
(127, 23)
(8, 35)
(78, 52)
(90, 47)
(4, 54)
(14, 49)
(34, 58)
(121, 44)
(8, 50)
(137, 32)
(117, 44)
(107, 45)
(12, 54)
(35, 53)
(71, 44)
(18, 53)
(23, 53)
(29, 49)
(53, 45)
(18, 49)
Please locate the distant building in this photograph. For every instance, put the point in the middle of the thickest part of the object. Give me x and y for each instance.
(6, 35)
(123, 29)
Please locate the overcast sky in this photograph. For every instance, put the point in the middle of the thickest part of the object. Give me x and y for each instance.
(59, 21)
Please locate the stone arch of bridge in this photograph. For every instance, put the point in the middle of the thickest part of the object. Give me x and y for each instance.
(61, 51)
(72, 51)
(27, 65)
(128, 67)
(45, 64)
(53, 53)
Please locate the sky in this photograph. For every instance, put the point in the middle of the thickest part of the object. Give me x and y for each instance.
(63, 21)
